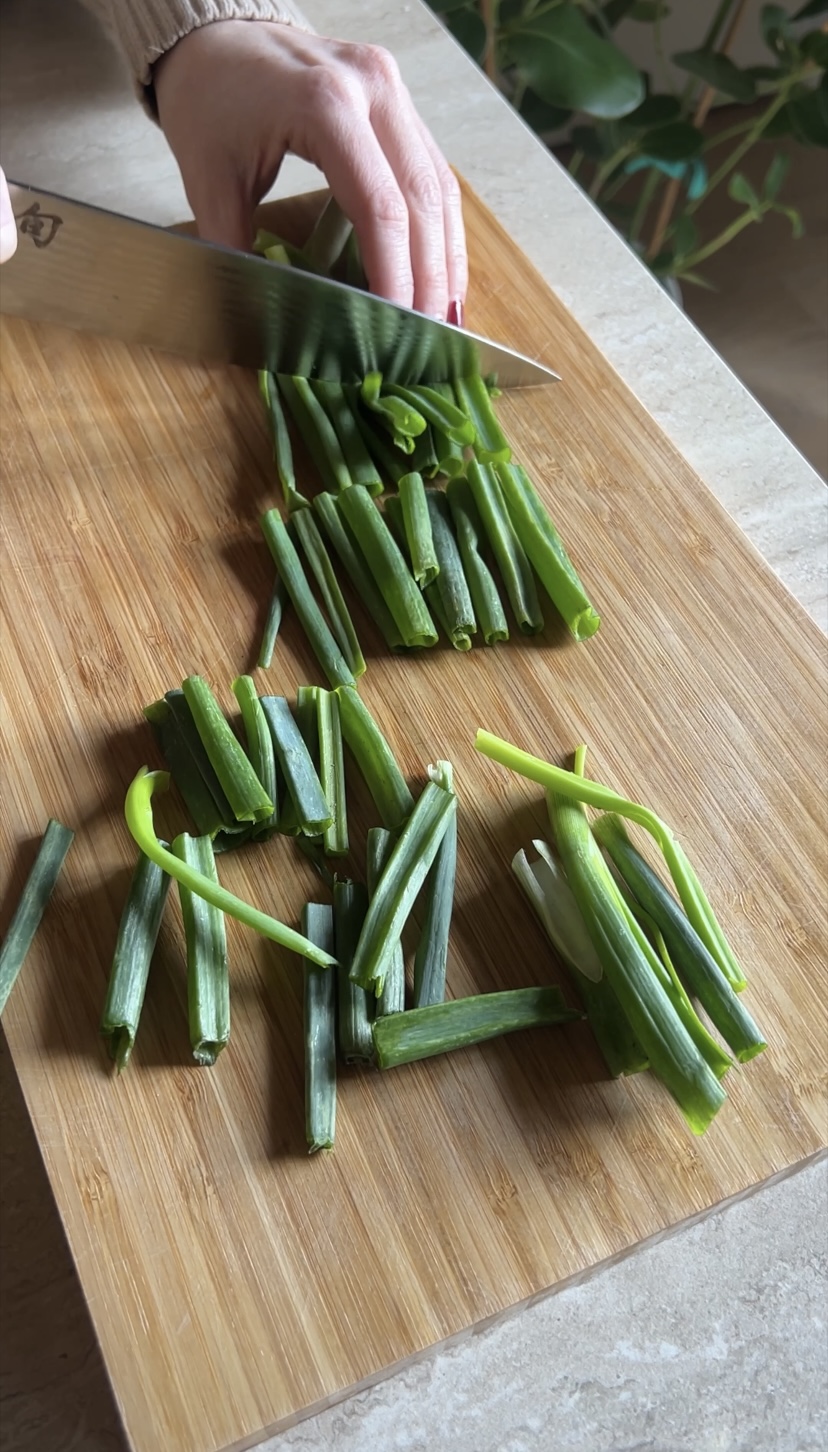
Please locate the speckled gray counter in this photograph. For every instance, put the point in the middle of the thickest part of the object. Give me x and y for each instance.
(714, 1340)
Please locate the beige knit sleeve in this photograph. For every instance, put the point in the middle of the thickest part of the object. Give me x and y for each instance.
(144, 30)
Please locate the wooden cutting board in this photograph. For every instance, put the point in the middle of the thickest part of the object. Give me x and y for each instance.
(236, 1284)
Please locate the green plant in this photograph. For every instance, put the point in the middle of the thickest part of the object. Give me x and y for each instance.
(641, 149)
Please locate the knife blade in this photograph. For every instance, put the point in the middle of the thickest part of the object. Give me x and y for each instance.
(99, 272)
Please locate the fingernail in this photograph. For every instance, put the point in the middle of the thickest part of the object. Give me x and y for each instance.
(455, 312)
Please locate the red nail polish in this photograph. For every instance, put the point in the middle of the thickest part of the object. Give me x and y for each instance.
(455, 312)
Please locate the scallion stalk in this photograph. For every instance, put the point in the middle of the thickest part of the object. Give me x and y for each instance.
(356, 1043)
(295, 580)
(137, 935)
(421, 1033)
(320, 1031)
(431, 957)
(402, 878)
(490, 443)
(687, 951)
(272, 624)
(388, 567)
(506, 547)
(282, 451)
(138, 812)
(208, 979)
(581, 789)
(451, 458)
(673, 1055)
(316, 430)
(332, 772)
(437, 409)
(380, 845)
(546, 552)
(319, 560)
(37, 890)
(468, 528)
(329, 237)
(417, 526)
(297, 767)
(360, 465)
(193, 772)
(353, 560)
(450, 584)
(248, 799)
(259, 750)
(375, 759)
(397, 417)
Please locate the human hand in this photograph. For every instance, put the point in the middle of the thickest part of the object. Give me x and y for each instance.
(235, 96)
(8, 226)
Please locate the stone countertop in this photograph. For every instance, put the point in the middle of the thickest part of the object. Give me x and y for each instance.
(714, 1340)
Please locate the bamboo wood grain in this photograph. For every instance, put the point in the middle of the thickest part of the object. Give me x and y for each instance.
(234, 1283)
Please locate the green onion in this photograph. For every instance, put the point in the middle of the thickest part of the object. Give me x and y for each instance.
(470, 534)
(551, 896)
(37, 890)
(320, 1032)
(663, 1037)
(421, 1033)
(546, 552)
(360, 465)
(276, 249)
(134, 947)
(282, 452)
(490, 445)
(329, 237)
(208, 979)
(450, 455)
(323, 572)
(387, 564)
(431, 957)
(356, 1042)
(138, 812)
(450, 583)
(423, 458)
(417, 526)
(352, 558)
(689, 954)
(437, 409)
(354, 270)
(295, 580)
(392, 999)
(185, 754)
(259, 750)
(398, 418)
(248, 799)
(391, 461)
(297, 768)
(272, 624)
(506, 548)
(394, 518)
(332, 772)
(375, 759)
(690, 890)
(402, 878)
(317, 431)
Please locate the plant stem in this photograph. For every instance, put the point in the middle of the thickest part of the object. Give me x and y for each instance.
(575, 163)
(743, 148)
(488, 9)
(605, 171)
(648, 191)
(725, 236)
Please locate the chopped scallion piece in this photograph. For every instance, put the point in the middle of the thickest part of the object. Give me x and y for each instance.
(450, 584)
(259, 750)
(506, 547)
(208, 979)
(297, 767)
(432, 950)
(329, 237)
(417, 526)
(353, 560)
(437, 409)
(248, 799)
(375, 759)
(490, 444)
(468, 528)
(272, 624)
(37, 890)
(356, 1042)
(282, 451)
(193, 773)
(421, 1033)
(307, 531)
(295, 580)
(403, 422)
(137, 935)
(332, 772)
(545, 551)
(392, 999)
(316, 430)
(361, 466)
(388, 567)
(320, 1032)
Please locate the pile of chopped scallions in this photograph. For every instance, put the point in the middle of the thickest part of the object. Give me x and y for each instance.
(635, 954)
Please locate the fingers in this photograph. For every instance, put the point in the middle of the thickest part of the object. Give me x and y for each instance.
(457, 260)
(8, 226)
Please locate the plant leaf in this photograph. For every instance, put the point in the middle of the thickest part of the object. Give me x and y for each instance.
(697, 183)
(719, 71)
(467, 27)
(793, 216)
(616, 10)
(765, 73)
(776, 173)
(647, 11)
(697, 280)
(543, 117)
(740, 189)
(565, 63)
(677, 141)
(815, 46)
(779, 125)
(591, 141)
(684, 237)
(776, 31)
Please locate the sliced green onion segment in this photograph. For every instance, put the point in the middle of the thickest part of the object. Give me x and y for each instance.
(490, 444)
(208, 979)
(431, 956)
(342, 626)
(421, 1033)
(320, 1032)
(356, 1041)
(296, 764)
(392, 999)
(137, 935)
(388, 567)
(509, 553)
(314, 624)
(468, 527)
(37, 890)
(248, 799)
(546, 553)
(375, 759)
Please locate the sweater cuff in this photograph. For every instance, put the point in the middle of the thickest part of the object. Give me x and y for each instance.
(147, 30)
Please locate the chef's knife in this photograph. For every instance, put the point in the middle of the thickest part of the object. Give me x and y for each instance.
(103, 273)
